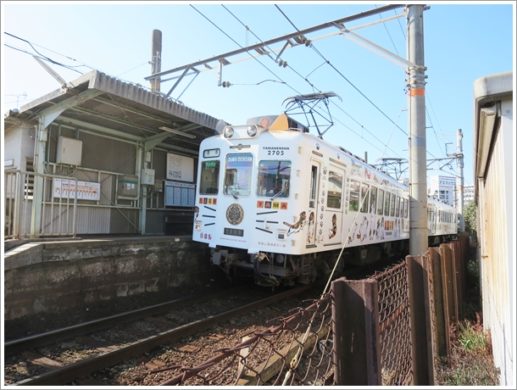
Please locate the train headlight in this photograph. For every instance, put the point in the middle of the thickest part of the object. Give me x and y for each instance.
(252, 131)
(228, 132)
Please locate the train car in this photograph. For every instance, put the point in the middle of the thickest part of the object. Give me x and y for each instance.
(277, 201)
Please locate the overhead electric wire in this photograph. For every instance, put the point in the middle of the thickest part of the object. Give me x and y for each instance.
(344, 77)
(238, 44)
(428, 98)
(305, 78)
(42, 58)
(355, 87)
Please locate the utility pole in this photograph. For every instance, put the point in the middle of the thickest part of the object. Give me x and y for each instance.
(156, 59)
(417, 140)
(459, 187)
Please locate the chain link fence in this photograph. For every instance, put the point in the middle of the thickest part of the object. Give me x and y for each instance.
(394, 326)
(296, 350)
(387, 329)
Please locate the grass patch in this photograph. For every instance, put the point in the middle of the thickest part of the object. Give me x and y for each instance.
(470, 362)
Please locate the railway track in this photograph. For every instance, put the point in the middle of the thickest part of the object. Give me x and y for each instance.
(66, 362)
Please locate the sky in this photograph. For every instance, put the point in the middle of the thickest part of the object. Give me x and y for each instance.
(462, 42)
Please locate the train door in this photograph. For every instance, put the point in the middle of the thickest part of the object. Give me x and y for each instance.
(312, 217)
(333, 215)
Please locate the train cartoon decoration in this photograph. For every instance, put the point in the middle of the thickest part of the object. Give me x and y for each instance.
(276, 201)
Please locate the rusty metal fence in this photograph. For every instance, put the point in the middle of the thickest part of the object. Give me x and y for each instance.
(297, 350)
(372, 329)
(388, 329)
(392, 328)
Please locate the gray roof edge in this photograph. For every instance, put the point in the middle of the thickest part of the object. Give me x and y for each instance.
(139, 94)
(493, 85)
(126, 90)
(85, 78)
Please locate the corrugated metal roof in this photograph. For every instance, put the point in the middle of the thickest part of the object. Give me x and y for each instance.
(128, 109)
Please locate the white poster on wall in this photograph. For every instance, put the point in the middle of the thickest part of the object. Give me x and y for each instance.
(180, 167)
(86, 190)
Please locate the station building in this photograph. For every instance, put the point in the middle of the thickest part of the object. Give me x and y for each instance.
(101, 156)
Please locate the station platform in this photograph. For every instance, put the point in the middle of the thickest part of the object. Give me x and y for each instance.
(50, 283)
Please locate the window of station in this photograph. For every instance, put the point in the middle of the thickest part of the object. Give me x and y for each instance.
(209, 177)
(335, 189)
(237, 179)
(373, 199)
(354, 195)
(387, 196)
(273, 178)
(380, 200)
(364, 198)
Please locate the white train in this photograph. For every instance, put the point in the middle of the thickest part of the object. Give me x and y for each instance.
(277, 201)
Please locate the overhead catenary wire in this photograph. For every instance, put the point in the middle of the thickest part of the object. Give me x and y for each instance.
(352, 84)
(43, 56)
(344, 77)
(306, 79)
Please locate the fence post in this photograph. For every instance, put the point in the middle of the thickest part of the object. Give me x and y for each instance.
(440, 304)
(355, 315)
(421, 340)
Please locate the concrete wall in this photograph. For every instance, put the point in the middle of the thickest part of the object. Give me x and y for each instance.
(57, 283)
(19, 146)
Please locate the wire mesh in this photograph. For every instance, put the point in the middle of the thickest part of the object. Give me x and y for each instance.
(296, 350)
(394, 326)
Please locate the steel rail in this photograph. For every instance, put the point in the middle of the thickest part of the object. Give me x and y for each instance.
(46, 338)
(66, 374)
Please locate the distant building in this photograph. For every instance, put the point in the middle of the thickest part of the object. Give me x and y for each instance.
(468, 194)
(442, 188)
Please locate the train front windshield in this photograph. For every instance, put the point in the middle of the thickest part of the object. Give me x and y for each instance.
(237, 178)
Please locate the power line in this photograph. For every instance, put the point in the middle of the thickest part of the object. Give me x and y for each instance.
(345, 78)
(238, 44)
(389, 35)
(317, 89)
(42, 58)
(353, 85)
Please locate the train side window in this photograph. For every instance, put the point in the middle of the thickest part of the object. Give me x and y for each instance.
(373, 199)
(397, 206)
(209, 184)
(335, 190)
(314, 183)
(392, 205)
(273, 178)
(364, 198)
(387, 196)
(406, 203)
(354, 195)
(380, 200)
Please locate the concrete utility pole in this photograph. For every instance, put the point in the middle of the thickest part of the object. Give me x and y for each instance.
(417, 139)
(459, 187)
(156, 59)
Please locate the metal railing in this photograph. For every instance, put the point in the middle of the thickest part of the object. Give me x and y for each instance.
(54, 215)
